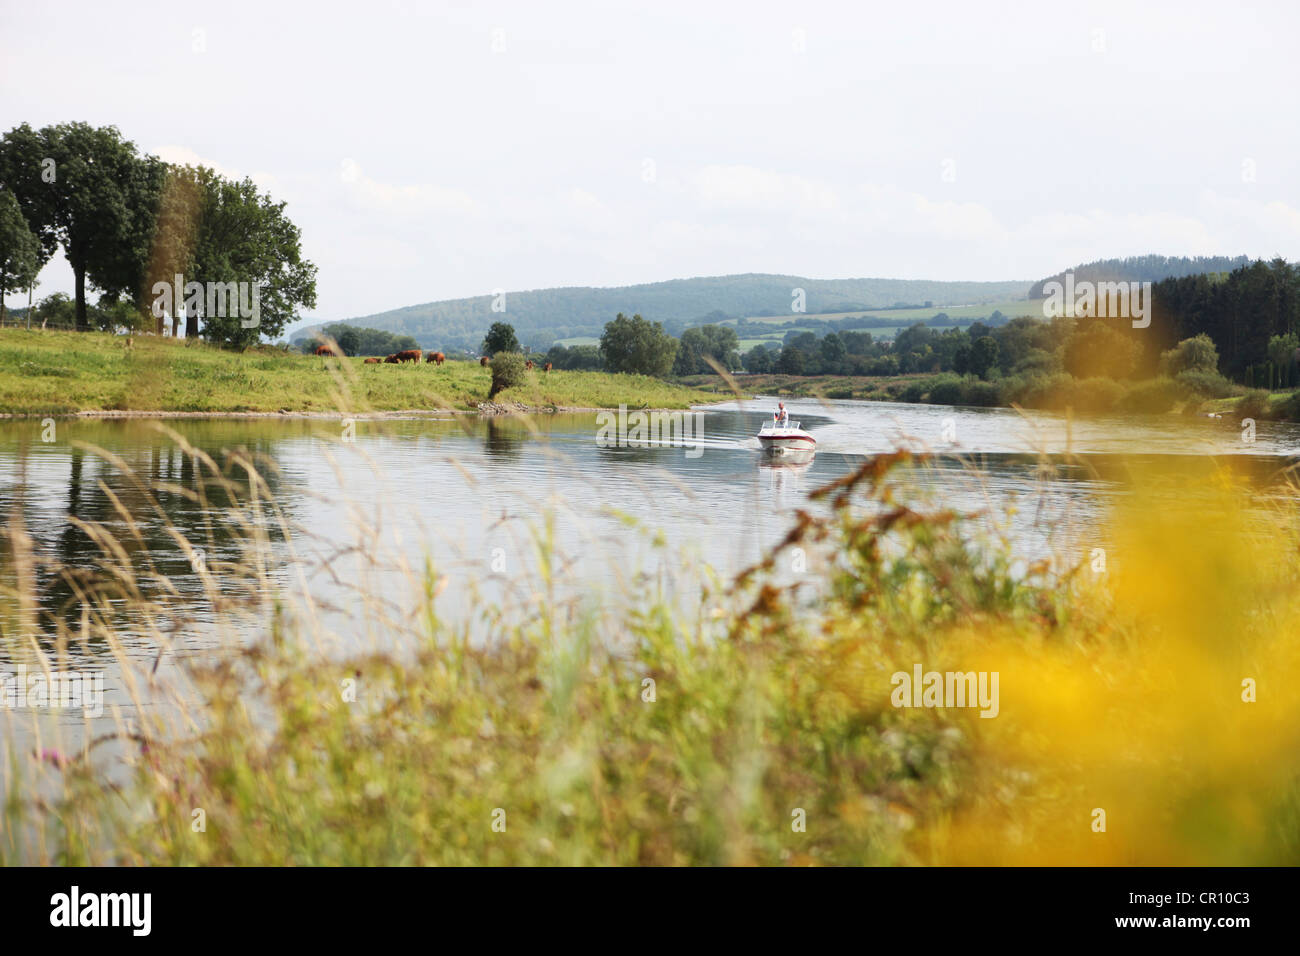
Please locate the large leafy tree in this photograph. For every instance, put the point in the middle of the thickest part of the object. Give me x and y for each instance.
(86, 189)
(244, 237)
(637, 345)
(500, 338)
(19, 249)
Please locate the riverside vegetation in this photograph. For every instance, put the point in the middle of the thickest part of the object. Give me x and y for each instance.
(753, 726)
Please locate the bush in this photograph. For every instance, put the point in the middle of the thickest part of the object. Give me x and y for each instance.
(982, 393)
(507, 372)
(1288, 410)
(1153, 396)
(1094, 395)
(1037, 390)
(945, 390)
(1254, 404)
(1205, 384)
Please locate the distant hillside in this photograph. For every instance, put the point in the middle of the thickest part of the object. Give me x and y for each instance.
(1144, 269)
(544, 315)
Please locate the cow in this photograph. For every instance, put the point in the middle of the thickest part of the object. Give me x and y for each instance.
(391, 360)
(529, 365)
(546, 367)
(483, 361)
(373, 360)
(407, 355)
(323, 350)
(436, 357)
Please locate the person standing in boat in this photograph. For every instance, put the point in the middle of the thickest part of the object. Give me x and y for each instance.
(781, 416)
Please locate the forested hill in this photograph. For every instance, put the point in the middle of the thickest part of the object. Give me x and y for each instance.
(544, 315)
(1144, 269)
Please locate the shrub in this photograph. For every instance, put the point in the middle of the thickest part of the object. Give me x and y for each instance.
(1205, 384)
(1037, 391)
(945, 390)
(1152, 396)
(1288, 410)
(507, 372)
(982, 393)
(1254, 404)
(1094, 394)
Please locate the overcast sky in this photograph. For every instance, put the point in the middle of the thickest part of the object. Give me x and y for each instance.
(439, 150)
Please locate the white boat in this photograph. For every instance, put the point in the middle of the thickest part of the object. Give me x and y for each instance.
(786, 440)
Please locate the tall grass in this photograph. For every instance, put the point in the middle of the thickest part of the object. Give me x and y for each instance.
(753, 727)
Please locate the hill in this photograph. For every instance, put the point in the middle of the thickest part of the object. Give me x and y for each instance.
(543, 316)
(1144, 269)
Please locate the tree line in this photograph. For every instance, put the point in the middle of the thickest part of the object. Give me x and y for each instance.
(129, 223)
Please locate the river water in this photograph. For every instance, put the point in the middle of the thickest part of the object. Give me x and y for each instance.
(371, 505)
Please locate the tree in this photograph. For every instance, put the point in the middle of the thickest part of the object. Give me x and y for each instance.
(86, 189)
(249, 247)
(983, 355)
(1281, 352)
(758, 360)
(637, 346)
(19, 250)
(698, 345)
(1198, 354)
(792, 360)
(500, 338)
(1098, 351)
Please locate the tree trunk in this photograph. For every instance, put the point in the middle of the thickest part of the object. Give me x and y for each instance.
(80, 273)
(191, 324)
(2, 307)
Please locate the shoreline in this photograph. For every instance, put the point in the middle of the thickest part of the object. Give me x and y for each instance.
(484, 410)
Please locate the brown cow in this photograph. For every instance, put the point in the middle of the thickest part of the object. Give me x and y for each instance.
(529, 365)
(373, 361)
(483, 361)
(407, 355)
(391, 360)
(323, 350)
(436, 357)
(546, 367)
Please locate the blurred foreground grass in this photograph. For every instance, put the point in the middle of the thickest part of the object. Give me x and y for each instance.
(756, 729)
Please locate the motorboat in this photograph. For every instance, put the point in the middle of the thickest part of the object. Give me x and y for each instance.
(786, 439)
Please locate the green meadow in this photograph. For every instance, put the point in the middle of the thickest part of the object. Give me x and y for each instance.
(50, 372)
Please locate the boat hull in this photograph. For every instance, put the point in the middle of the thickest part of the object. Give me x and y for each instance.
(788, 445)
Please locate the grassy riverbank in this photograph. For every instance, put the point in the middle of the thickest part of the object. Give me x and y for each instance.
(1144, 715)
(66, 372)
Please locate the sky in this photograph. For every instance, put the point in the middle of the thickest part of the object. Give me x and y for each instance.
(439, 150)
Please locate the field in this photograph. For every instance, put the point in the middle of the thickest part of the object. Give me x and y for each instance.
(1011, 307)
(67, 372)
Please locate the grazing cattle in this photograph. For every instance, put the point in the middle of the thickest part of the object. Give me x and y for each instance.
(391, 360)
(323, 350)
(407, 355)
(483, 361)
(529, 365)
(546, 367)
(436, 357)
(373, 361)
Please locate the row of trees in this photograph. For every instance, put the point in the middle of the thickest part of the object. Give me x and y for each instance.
(127, 221)
(354, 340)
